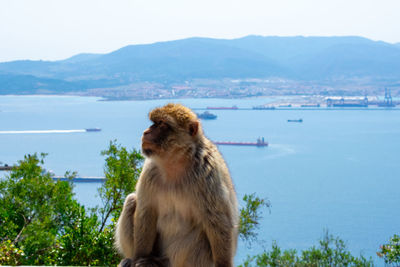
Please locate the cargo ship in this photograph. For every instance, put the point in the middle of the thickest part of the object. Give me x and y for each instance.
(386, 105)
(93, 130)
(233, 107)
(299, 120)
(5, 167)
(310, 105)
(260, 142)
(206, 116)
(88, 179)
(347, 103)
(264, 107)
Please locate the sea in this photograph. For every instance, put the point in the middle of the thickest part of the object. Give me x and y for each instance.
(337, 171)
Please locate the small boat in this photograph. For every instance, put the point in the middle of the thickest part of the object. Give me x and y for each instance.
(93, 130)
(207, 116)
(299, 120)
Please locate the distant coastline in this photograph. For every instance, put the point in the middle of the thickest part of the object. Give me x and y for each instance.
(288, 102)
(215, 68)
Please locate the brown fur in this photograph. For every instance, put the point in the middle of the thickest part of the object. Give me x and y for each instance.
(185, 210)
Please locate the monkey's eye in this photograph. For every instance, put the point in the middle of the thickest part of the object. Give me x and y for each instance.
(156, 124)
(161, 125)
(164, 125)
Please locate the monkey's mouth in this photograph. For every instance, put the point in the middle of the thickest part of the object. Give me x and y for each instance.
(148, 148)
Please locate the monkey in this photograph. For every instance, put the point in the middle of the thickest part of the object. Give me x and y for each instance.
(184, 211)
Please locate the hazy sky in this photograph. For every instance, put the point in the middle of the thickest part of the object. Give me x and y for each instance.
(57, 29)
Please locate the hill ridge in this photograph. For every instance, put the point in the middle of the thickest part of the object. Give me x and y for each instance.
(295, 58)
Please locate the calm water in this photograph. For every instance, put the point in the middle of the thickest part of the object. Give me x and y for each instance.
(338, 170)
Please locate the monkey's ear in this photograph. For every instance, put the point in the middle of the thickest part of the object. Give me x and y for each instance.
(193, 128)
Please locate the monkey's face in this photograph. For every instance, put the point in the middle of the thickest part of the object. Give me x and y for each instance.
(167, 136)
(155, 137)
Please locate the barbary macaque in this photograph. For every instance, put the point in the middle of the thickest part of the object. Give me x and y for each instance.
(184, 211)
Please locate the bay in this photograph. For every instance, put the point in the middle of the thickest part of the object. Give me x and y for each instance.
(338, 170)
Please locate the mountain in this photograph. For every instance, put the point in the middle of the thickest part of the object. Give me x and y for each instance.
(296, 58)
(81, 58)
(328, 57)
(28, 84)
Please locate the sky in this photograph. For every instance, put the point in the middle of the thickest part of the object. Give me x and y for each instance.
(58, 29)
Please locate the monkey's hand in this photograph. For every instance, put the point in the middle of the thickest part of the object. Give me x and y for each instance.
(142, 262)
(151, 262)
(126, 263)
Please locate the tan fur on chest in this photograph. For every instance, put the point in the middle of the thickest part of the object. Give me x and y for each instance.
(177, 223)
(176, 214)
(172, 167)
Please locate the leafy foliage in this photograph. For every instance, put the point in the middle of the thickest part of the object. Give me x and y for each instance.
(122, 170)
(250, 216)
(90, 240)
(42, 223)
(10, 254)
(331, 252)
(84, 244)
(391, 252)
(34, 209)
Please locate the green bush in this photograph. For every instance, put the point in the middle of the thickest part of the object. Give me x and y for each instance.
(330, 252)
(10, 254)
(391, 252)
(42, 223)
(250, 216)
(34, 209)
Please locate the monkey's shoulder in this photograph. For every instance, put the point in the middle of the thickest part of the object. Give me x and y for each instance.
(207, 155)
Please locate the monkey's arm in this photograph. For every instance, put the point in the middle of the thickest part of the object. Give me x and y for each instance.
(145, 218)
(124, 231)
(219, 230)
(145, 231)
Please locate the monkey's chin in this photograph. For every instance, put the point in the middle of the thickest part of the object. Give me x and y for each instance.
(148, 149)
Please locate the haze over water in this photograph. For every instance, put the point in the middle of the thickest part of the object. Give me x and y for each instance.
(338, 170)
(43, 131)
